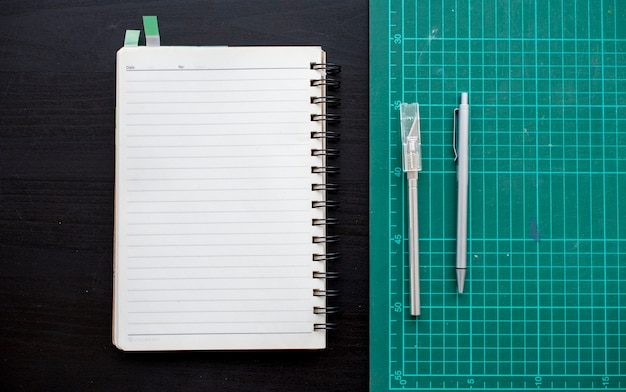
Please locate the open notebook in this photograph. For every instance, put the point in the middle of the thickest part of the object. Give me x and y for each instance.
(220, 207)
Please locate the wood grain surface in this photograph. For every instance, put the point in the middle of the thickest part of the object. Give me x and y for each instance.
(57, 105)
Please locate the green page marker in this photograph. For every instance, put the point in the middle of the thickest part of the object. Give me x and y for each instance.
(131, 38)
(151, 28)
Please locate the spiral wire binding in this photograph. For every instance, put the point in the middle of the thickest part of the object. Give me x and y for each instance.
(324, 204)
(325, 117)
(324, 326)
(324, 169)
(325, 293)
(325, 275)
(325, 153)
(328, 135)
(328, 100)
(325, 256)
(325, 309)
(330, 68)
(329, 152)
(324, 222)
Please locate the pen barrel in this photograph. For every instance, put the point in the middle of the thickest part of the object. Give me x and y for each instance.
(463, 184)
(461, 233)
(414, 248)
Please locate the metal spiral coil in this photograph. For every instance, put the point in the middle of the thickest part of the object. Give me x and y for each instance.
(330, 68)
(325, 309)
(324, 326)
(329, 83)
(323, 152)
(325, 293)
(328, 135)
(327, 117)
(329, 152)
(328, 187)
(324, 204)
(325, 239)
(324, 221)
(325, 256)
(329, 100)
(324, 169)
(325, 275)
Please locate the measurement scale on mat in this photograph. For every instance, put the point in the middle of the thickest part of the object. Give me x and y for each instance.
(409, 353)
(399, 278)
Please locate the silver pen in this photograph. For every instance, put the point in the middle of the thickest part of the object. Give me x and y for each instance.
(411, 164)
(461, 152)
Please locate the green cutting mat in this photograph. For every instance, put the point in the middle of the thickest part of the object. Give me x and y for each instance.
(545, 301)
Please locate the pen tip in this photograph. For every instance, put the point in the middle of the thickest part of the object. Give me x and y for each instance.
(460, 279)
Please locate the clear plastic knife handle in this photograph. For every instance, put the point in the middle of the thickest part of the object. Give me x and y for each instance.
(411, 140)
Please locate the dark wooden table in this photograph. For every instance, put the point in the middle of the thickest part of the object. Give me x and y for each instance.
(57, 104)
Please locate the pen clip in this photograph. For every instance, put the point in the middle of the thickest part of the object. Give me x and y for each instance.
(456, 114)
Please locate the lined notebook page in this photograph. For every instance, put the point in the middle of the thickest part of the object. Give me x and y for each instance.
(213, 221)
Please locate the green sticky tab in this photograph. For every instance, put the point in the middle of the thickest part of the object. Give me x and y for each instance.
(151, 28)
(131, 38)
